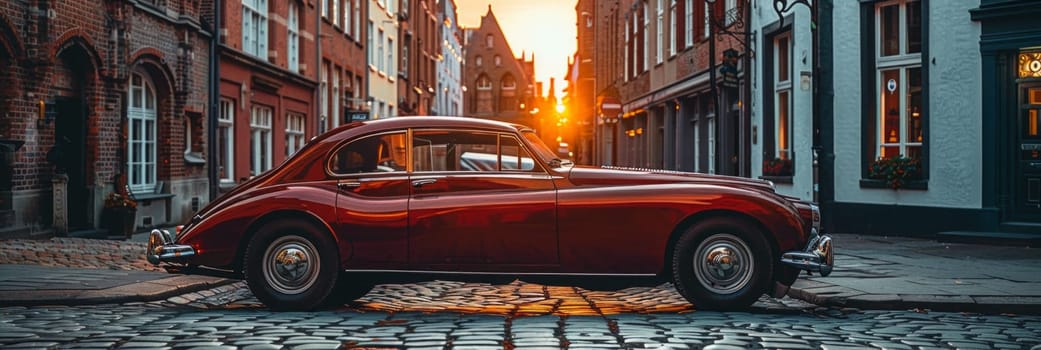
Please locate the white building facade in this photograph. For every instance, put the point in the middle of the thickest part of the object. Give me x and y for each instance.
(449, 92)
(382, 47)
(906, 135)
(782, 98)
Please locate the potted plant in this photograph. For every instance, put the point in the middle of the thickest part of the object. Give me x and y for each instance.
(777, 167)
(119, 214)
(895, 171)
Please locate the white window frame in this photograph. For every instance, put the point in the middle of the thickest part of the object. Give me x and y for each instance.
(391, 62)
(371, 43)
(226, 128)
(646, 38)
(254, 27)
(295, 126)
(325, 8)
(347, 20)
(260, 139)
(626, 53)
(783, 86)
(335, 12)
(381, 39)
(293, 38)
(672, 28)
(142, 117)
(485, 79)
(357, 20)
(903, 61)
(659, 52)
(689, 23)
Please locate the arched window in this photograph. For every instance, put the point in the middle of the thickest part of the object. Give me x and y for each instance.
(478, 61)
(489, 41)
(498, 61)
(483, 83)
(484, 95)
(508, 100)
(141, 120)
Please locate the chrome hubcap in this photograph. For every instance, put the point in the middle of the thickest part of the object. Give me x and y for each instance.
(291, 264)
(723, 263)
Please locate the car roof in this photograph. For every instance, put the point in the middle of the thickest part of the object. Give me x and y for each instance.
(442, 121)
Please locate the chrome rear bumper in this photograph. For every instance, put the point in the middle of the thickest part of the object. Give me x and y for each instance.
(161, 248)
(818, 256)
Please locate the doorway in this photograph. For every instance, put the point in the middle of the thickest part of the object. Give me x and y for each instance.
(1027, 163)
(70, 131)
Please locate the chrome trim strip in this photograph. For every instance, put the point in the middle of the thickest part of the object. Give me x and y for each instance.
(479, 273)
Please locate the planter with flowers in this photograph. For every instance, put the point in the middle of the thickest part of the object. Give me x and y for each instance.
(777, 167)
(119, 214)
(896, 171)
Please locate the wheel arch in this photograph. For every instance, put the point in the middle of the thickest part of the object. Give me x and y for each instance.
(285, 214)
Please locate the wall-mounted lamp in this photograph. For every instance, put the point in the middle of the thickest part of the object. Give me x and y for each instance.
(47, 112)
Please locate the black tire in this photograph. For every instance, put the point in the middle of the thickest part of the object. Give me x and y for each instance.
(348, 289)
(724, 284)
(285, 283)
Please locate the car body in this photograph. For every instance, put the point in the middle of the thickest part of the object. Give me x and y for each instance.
(466, 196)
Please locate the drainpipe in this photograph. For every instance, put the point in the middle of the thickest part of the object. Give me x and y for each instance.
(320, 127)
(214, 91)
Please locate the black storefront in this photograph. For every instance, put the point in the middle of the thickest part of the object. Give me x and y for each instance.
(1010, 45)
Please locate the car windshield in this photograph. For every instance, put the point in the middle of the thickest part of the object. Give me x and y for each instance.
(539, 148)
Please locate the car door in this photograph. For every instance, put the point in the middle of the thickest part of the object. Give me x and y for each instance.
(479, 203)
(372, 199)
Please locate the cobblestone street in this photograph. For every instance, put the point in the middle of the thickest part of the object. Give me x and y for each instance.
(161, 324)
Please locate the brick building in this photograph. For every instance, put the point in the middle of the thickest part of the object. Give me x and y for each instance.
(497, 85)
(95, 97)
(420, 33)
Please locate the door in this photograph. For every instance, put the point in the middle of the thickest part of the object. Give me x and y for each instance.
(372, 200)
(1027, 194)
(479, 203)
(70, 142)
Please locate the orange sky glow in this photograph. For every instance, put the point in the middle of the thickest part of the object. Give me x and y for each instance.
(545, 27)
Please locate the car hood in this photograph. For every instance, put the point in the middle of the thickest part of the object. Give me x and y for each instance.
(607, 175)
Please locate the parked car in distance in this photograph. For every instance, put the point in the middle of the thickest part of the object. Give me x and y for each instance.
(385, 200)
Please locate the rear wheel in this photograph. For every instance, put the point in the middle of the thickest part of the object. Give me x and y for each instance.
(722, 264)
(291, 265)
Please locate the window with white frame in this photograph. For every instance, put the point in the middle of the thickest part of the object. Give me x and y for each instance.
(672, 28)
(782, 96)
(293, 39)
(390, 57)
(334, 11)
(731, 11)
(898, 64)
(260, 140)
(225, 141)
(334, 110)
(489, 41)
(371, 44)
(357, 20)
(659, 55)
(294, 133)
(646, 38)
(483, 83)
(141, 117)
(323, 86)
(325, 8)
(708, 20)
(636, 44)
(688, 25)
(254, 27)
(381, 41)
(347, 20)
(628, 47)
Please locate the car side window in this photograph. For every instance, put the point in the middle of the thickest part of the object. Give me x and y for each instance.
(514, 156)
(443, 150)
(371, 154)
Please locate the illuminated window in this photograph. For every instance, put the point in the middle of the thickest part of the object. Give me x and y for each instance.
(899, 79)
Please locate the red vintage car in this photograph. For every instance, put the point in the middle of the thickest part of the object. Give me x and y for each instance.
(388, 199)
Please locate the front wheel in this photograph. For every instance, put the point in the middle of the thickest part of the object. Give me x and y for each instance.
(291, 265)
(722, 264)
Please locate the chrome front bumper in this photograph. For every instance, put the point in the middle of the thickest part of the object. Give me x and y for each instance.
(161, 248)
(818, 255)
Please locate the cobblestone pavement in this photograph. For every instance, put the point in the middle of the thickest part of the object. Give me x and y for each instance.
(163, 325)
(76, 252)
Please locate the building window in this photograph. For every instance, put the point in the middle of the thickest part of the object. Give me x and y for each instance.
(898, 58)
(260, 140)
(141, 116)
(688, 25)
(708, 20)
(347, 20)
(478, 61)
(335, 97)
(225, 141)
(379, 51)
(672, 28)
(323, 86)
(254, 27)
(489, 41)
(508, 100)
(357, 20)
(293, 38)
(325, 8)
(659, 55)
(626, 54)
(498, 61)
(646, 39)
(370, 45)
(403, 69)
(731, 12)
(783, 96)
(390, 57)
(334, 11)
(484, 95)
(294, 133)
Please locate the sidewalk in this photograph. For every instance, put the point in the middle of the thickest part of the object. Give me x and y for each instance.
(872, 272)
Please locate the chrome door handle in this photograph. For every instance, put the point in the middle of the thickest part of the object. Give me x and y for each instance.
(421, 182)
(348, 185)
